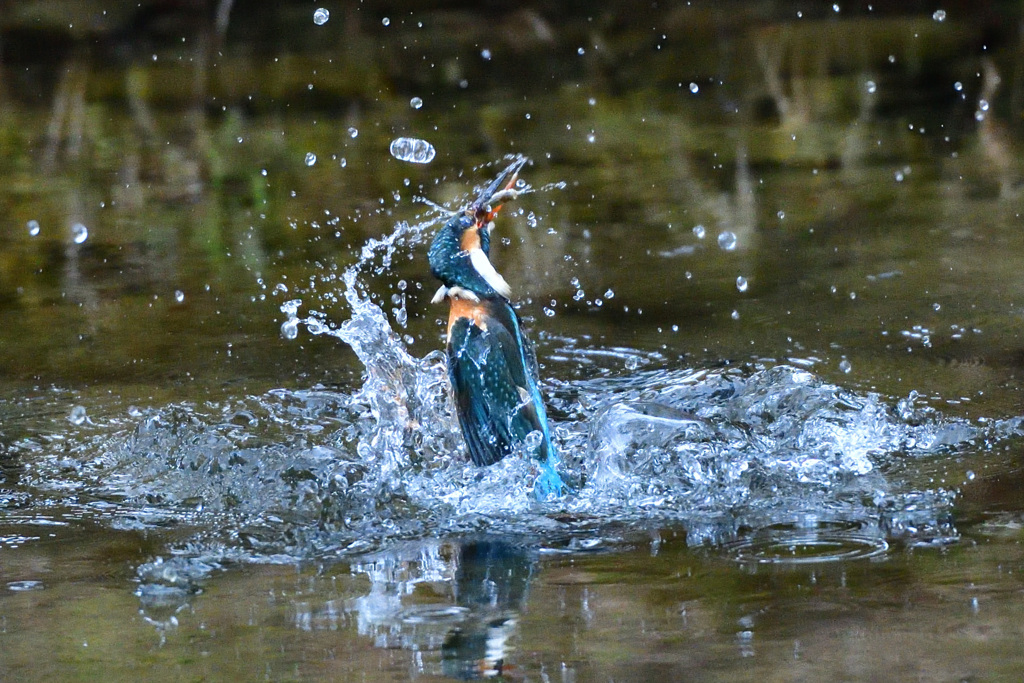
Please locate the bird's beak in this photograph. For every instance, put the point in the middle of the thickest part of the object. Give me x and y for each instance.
(499, 191)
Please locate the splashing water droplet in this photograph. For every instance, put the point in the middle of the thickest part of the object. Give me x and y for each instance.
(79, 233)
(310, 159)
(386, 21)
(413, 150)
(179, 296)
(320, 16)
(958, 86)
(580, 51)
(845, 366)
(871, 87)
(416, 103)
(77, 416)
(290, 328)
(939, 15)
(353, 132)
(694, 88)
(699, 231)
(343, 162)
(486, 54)
(727, 240)
(741, 283)
(33, 227)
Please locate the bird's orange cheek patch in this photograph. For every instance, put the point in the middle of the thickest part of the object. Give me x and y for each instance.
(470, 239)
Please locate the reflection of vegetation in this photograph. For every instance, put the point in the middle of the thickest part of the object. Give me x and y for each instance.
(181, 142)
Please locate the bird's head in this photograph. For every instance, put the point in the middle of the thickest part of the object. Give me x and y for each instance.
(459, 254)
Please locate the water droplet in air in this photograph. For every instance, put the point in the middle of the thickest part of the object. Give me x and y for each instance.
(486, 54)
(741, 283)
(939, 15)
(871, 86)
(698, 230)
(781, 215)
(727, 240)
(79, 233)
(694, 88)
(899, 176)
(290, 328)
(33, 227)
(580, 51)
(77, 416)
(353, 132)
(632, 362)
(735, 315)
(835, 7)
(592, 101)
(936, 306)
(413, 150)
(179, 296)
(958, 86)
(385, 21)
(970, 475)
(845, 366)
(610, 294)
(320, 16)
(343, 162)
(591, 137)
(983, 105)
(416, 103)
(310, 159)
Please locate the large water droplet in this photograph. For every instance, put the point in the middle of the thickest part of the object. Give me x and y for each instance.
(79, 233)
(486, 54)
(179, 296)
(290, 328)
(310, 159)
(871, 87)
(699, 231)
(386, 21)
(33, 227)
(741, 283)
(727, 240)
(416, 103)
(939, 15)
(353, 132)
(320, 16)
(694, 88)
(413, 150)
(845, 366)
(77, 416)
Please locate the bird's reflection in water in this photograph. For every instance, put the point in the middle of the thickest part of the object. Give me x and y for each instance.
(482, 583)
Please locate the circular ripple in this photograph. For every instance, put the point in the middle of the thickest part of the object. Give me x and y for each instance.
(805, 546)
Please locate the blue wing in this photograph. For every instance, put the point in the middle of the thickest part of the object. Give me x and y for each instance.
(494, 377)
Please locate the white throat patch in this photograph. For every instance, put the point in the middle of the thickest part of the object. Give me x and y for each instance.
(483, 266)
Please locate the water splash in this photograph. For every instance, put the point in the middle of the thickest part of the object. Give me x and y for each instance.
(413, 150)
(317, 473)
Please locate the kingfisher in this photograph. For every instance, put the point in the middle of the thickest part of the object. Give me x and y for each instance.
(491, 363)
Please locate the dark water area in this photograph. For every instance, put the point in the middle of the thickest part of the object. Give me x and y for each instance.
(769, 254)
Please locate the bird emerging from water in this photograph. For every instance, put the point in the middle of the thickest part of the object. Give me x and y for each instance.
(491, 363)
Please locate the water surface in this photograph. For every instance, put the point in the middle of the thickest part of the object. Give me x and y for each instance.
(768, 258)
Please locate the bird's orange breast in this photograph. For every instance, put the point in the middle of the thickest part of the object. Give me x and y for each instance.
(474, 311)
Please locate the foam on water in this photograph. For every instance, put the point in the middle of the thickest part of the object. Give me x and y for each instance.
(292, 475)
